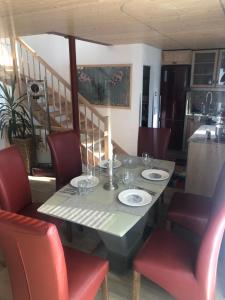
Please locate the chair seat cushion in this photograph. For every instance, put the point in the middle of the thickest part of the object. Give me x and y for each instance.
(169, 261)
(30, 210)
(85, 274)
(191, 211)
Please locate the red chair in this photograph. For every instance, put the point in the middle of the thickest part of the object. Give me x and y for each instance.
(153, 141)
(193, 211)
(15, 193)
(177, 265)
(40, 269)
(66, 156)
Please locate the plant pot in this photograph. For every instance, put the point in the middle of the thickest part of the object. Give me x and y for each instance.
(26, 148)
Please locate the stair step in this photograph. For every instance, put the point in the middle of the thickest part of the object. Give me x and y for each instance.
(89, 130)
(89, 144)
(61, 118)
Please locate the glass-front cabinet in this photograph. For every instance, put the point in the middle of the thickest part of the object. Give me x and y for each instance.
(204, 67)
(221, 69)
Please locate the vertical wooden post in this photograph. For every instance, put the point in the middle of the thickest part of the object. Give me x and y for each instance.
(136, 285)
(105, 290)
(15, 64)
(74, 85)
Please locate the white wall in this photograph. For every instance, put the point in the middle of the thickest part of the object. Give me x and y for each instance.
(125, 122)
(53, 49)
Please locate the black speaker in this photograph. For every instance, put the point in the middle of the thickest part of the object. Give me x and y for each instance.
(36, 88)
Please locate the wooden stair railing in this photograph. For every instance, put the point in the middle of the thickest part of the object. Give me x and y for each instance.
(32, 66)
(93, 126)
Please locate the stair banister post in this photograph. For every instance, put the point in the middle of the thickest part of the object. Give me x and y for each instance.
(15, 62)
(74, 85)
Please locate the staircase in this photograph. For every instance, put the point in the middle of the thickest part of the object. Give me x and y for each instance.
(27, 64)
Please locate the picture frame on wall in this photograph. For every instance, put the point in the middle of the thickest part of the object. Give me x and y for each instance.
(105, 85)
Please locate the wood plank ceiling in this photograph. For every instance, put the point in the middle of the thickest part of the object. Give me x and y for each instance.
(166, 24)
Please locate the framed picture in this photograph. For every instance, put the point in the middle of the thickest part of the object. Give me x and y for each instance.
(106, 85)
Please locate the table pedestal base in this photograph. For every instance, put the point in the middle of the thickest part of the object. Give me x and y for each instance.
(121, 250)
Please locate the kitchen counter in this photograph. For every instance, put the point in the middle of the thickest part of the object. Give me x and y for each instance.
(205, 160)
(199, 135)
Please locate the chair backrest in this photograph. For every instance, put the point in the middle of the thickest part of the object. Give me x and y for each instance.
(207, 259)
(154, 141)
(34, 257)
(15, 191)
(66, 156)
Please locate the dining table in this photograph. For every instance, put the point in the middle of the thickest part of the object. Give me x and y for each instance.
(120, 224)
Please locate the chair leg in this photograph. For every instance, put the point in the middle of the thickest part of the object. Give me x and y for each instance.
(136, 286)
(105, 290)
(69, 233)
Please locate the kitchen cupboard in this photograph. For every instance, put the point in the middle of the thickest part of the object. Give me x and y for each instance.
(177, 57)
(208, 68)
(204, 63)
(205, 160)
(221, 69)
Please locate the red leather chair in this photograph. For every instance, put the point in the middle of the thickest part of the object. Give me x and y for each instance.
(40, 269)
(177, 265)
(66, 156)
(15, 193)
(153, 141)
(192, 211)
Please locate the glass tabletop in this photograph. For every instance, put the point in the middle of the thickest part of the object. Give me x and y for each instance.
(100, 209)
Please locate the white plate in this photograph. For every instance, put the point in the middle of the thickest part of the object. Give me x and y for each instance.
(134, 197)
(91, 182)
(105, 163)
(155, 174)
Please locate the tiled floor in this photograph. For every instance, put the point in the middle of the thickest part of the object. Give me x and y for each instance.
(119, 286)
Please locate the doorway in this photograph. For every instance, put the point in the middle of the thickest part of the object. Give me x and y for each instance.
(145, 96)
(175, 82)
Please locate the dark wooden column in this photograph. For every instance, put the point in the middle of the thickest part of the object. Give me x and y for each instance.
(73, 80)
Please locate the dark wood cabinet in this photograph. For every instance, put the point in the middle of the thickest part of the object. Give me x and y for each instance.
(175, 81)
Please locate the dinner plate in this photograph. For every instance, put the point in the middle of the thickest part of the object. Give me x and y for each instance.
(91, 181)
(155, 174)
(134, 197)
(105, 163)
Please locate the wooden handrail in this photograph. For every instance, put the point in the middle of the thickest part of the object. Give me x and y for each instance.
(82, 100)
(61, 79)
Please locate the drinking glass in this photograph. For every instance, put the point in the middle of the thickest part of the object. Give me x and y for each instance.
(146, 159)
(82, 187)
(128, 177)
(90, 173)
(155, 163)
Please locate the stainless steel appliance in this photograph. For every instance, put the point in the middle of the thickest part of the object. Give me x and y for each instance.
(220, 126)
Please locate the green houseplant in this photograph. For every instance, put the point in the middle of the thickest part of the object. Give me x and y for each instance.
(15, 122)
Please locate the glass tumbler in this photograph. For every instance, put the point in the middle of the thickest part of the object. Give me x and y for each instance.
(146, 159)
(82, 187)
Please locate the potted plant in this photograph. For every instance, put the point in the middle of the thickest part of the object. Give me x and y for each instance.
(15, 122)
